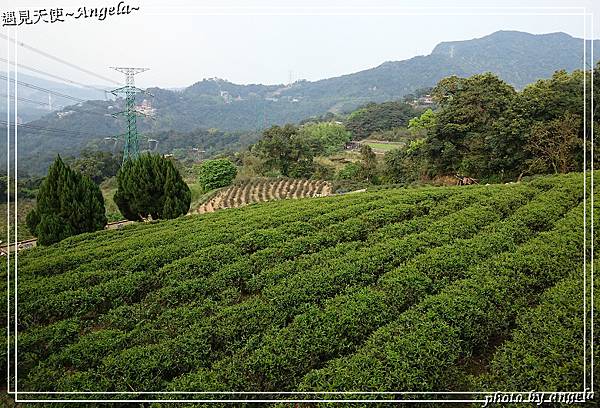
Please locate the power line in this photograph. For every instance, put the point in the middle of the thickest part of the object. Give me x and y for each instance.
(62, 131)
(70, 133)
(45, 54)
(35, 127)
(58, 106)
(20, 98)
(55, 76)
(39, 88)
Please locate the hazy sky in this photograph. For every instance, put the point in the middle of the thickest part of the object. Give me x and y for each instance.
(262, 41)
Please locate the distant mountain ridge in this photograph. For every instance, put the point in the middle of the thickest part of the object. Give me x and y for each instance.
(517, 57)
(532, 56)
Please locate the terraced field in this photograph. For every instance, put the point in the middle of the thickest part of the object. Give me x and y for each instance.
(429, 289)
(259, 190)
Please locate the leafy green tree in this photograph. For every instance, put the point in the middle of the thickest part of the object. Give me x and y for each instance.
(554, 145)
(407, 164)
(325, 137)
(368, 164)
(26, 187)
(551, 98)
(216, 173)
(251, 165)
(98, 165)
(151, 186)
(515, 143)
(303, 168)
(377, 117)
(488, 130)
(283, 149)
(399, 134)
(275, 147)
(323, 171)
(427, 121)
(541, 106)
(68, 203)
(350, 171)
(469, 110)
(446, 89)
(395, 164)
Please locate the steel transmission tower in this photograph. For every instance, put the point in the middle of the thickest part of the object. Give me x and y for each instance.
(132, 148)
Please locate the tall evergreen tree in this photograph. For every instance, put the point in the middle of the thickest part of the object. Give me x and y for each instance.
(175, 203)
(151, 186)
(68, 203)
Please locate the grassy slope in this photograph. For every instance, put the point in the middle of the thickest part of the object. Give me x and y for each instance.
(398, 289)
(383, 147)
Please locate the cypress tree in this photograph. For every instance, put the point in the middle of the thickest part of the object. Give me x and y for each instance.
(151, 186)
(68, 203)
(177, 194)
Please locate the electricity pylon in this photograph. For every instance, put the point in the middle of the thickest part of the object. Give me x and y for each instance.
(132, 148)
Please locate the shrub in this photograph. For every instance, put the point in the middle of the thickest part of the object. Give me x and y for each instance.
(350, 171)
(216, 173)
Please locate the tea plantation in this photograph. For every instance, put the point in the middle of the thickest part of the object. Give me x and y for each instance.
(426, 289)
(257, 190)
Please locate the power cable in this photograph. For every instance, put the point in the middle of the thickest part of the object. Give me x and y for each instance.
(55, 76)
(25, 99)
(39, 88)
(45, 54)
(62, 131)
(59, 94)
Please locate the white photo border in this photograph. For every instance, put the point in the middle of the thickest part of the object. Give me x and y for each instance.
(582, 11)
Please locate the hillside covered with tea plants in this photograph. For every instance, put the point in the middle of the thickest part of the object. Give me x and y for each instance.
(423, 289)
(260, 190)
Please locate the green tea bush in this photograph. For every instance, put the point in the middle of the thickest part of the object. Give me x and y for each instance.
(422, 347)
(557, 324)
(398, 289)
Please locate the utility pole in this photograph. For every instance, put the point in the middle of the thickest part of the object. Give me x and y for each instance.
(132, 148)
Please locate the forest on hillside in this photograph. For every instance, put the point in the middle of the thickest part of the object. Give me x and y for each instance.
(480, 127)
